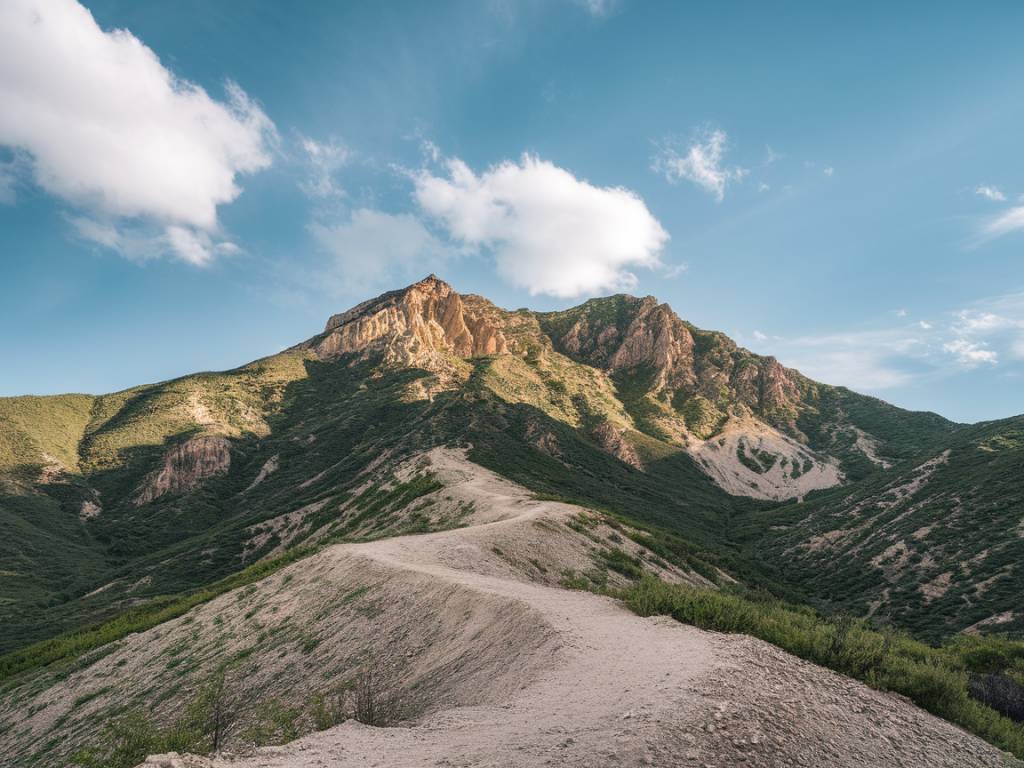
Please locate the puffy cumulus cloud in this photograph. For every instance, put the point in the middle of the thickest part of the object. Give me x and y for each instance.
(550, 232)
(372, 248)
(701, 163)
(970, 354)
(109, 129)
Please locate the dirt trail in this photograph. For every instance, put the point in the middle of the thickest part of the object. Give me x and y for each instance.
(617, 690)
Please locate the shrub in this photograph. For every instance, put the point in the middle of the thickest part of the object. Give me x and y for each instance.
(1004, 694)
(936, 679)
(123, 743)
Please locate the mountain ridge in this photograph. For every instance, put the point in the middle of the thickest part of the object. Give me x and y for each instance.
(103, 488)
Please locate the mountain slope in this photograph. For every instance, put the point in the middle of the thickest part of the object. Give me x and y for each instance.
(934, 544)
(618, 404)
(499, 664)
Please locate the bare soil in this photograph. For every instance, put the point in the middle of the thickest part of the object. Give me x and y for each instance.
(577, 680)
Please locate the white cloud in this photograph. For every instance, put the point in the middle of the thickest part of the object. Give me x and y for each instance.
(324, 159)
(970, 354)
(991, 193)
(598, 8)
(1003, 224)
(829, 171)
(702, 164)
(762, 187)
(549, 231)
(110, 130)
(141, 243)
(866, 360)
(978, 337)
(901, 313)
(979, 321)
(373, 248)
(760, 336)
(1017, 348)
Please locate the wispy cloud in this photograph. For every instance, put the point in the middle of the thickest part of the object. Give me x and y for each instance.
(371, 249)
(987, 334)
(991, 193)
(702, 163)
(324, 159)
(1003, 224)
(970, 354)
(598, 8)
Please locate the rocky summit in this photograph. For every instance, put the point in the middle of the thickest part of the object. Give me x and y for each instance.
(430, 517)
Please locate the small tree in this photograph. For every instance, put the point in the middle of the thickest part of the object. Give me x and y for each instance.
(371, 704)
(207, 720)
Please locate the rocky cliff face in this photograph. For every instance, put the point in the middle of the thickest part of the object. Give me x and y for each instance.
(419, 326)
(186, 466)
(625, 334)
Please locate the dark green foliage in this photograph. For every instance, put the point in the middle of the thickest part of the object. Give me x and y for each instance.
(123, 743)
(935, 679)
(204, 725)
(74, 644)
(961, 516)
(1001, 692)
(621, 562)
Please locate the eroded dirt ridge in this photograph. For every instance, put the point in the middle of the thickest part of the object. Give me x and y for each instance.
(576, 680)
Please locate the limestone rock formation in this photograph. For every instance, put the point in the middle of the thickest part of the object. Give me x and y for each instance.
(418, 326)
(186, 466)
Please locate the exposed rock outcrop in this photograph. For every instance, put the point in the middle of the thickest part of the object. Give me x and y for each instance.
(420, 326)
(612, 442)
(629, 334)
(186, 466)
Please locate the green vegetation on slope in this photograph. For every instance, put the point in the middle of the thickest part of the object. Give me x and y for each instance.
(936, 679)
(933, 545)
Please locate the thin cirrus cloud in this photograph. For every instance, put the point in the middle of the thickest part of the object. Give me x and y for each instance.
(372, 247)
(1003, 224)
(990, 193)
(970, 354)
(324, 159)
(549, 232)
(702, 162)
(143, 155)
(987, 334)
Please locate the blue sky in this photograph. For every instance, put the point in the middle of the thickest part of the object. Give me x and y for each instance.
(842, 187)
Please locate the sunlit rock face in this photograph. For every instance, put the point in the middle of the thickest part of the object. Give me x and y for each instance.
(418, 326)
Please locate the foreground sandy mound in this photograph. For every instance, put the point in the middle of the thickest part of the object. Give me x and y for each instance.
(605, 687)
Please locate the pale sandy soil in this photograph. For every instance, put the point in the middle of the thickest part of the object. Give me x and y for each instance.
(599, 685)
(718, 458)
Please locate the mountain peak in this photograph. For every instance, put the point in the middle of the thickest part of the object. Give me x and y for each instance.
(420, 325)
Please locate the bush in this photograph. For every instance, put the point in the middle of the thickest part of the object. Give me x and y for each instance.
(123, 743)
(936, 679)
(203, 726)
(1004, 694)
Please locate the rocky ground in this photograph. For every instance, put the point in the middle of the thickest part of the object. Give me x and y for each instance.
(601, 686)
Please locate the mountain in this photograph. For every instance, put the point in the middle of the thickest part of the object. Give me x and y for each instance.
(110, 500)
(131, 514)
(933, 544)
